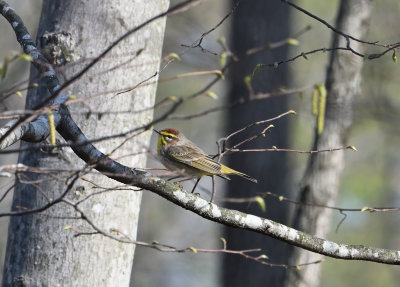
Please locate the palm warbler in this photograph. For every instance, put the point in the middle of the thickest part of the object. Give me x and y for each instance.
(178, 153)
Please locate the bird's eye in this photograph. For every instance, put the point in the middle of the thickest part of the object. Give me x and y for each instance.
(168, 137)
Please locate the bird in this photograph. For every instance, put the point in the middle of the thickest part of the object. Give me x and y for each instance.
(178, 153)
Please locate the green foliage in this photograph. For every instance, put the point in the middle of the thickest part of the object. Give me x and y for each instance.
(4, 67)
(257, 68)
(293, 42)
(211, 94)
(247, 79)
(25, 57)
(261, 203)
(319, 105)
(222, 59)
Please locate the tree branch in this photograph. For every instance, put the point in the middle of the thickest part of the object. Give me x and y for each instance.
(92, 156)
(265, 226)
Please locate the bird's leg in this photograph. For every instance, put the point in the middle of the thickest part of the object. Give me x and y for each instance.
(184, 179)
(174, 177)
(213, 188)
(195, 185)
(177, 183)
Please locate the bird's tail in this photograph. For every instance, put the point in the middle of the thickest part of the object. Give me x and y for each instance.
(228, 171)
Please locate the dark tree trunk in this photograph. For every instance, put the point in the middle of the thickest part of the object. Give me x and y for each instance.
(257, 23)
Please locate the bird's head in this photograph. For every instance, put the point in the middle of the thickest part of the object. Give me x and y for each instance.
(167, 137)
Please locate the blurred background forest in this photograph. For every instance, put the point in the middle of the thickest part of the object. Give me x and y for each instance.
(370, 177)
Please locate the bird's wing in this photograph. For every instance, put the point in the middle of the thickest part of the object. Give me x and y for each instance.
(195, 158)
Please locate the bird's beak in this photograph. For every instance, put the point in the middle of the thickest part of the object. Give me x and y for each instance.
(157, 131)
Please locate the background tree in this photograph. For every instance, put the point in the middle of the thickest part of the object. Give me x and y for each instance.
(39, 251)
(257, 25)
(321, 180)
(18, 71)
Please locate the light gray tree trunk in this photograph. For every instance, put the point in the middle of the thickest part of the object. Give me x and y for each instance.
(322, 178)
(39, 251)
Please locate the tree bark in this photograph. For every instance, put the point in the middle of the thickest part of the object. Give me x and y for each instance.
(39, 251)
(322, 177)
(257, 23)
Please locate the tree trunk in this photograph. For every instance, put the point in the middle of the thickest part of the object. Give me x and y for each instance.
(258, 23)
(40, 250)
(321, 181)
